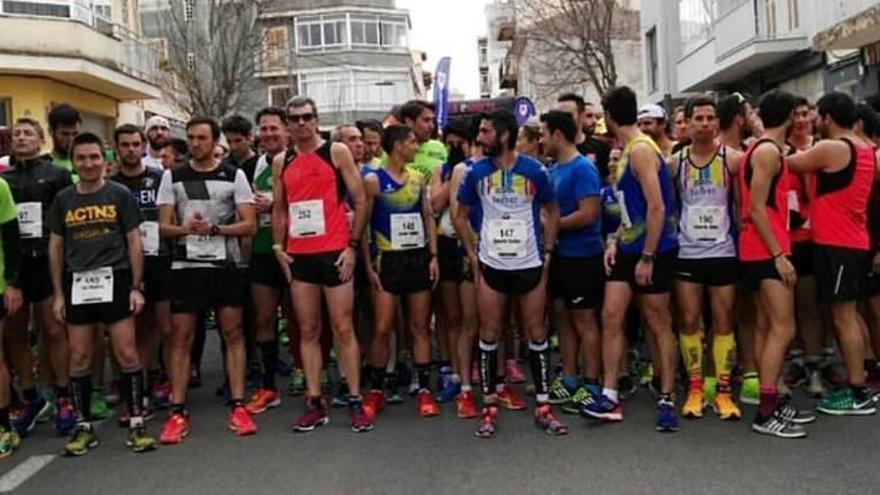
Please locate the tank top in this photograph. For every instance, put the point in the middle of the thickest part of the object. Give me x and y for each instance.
(396, 220)
(751, 246)
(634, 206)
(315, 194)
(263, 186)
(840, 208)
(800, 189)
(706, 220)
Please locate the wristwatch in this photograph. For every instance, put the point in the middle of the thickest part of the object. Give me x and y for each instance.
(648, 257)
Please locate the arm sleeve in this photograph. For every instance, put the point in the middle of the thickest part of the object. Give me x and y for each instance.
(165, 196)
(131, 216)
(11, 251)
(243, 192)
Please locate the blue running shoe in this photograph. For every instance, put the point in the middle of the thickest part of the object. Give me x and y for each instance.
(32, 410)
(667, 421)
(449, 392)
(601, 407)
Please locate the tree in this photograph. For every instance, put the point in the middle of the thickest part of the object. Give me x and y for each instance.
(570, 42)
(214, 47)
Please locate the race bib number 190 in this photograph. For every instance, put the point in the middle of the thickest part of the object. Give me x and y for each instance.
(706, 223)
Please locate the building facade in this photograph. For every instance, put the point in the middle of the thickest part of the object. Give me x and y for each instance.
(351, 56)
(803, 46)
(94, 60)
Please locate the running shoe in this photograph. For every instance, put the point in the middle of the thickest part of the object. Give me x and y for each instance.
(98, 406)
(602, 408)
(508, 399)
(263, 400)
(373, 403)
(240, 422)
(65, 419)
(360, 422)
(545, 420)
(48, 414)
(694, 404)
(788, 413)
(124, 420)
(450, 392)
(725, 408)
(646, 372)
(844, 403)
(710, 388)
(340, 400)
(83, 439)
(32, 410)
(577, 400)
(176, 428)
(426, 405)
(314, 416)
(140, 440)
(815, 386)
(559, 393)
(297, 383)
(667, 421)
(749, 391)
(514, 373)
(392, 389)
(486, 428)
(774, 426)
(465, 406)
(9, 441)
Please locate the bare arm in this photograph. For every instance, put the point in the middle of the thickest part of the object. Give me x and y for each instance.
(246, 225)
(135, 256)
(167, 226)
(551, 223)
(371, 190)
(825, 155)
(428, 219)
(56, 264)
(352, 177)
(279, 203)
(732, 158)
(766, 165)
(644, 164)
(461, 213)
(439, 191)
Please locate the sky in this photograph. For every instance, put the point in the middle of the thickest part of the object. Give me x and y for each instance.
(449, 28)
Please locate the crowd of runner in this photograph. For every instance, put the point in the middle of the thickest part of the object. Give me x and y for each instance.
(394, 255)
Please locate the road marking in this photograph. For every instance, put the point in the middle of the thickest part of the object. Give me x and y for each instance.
(23, 472)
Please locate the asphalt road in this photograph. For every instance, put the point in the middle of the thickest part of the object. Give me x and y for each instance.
(407, 454)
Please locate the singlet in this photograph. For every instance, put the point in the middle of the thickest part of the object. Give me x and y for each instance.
(144, 189)
(634, 206)
(509, 223)
(262, 183)
(316, 210)
(706, 219)
(610, 212)
(396, 222)
(801, 187)
(572, 182)
(840, 208)
(751, 246)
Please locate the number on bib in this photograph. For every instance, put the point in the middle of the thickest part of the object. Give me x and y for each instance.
(306, 219)
(205, 247)
(706, 223)
(150, 238)
(407, 231)
(30, 219)
(507, 238)
(92, 287)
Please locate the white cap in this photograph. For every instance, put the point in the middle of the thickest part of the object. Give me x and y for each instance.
(652, 111)
(156, 121)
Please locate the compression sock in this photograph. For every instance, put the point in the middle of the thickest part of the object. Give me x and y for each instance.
(769, 401)
(692, 356)
(81, 390)
(269, 361)
(488, 354)
(539, 361)
(723, 348)
(133, 388)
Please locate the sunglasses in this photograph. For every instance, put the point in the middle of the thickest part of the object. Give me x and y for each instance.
(303, 118)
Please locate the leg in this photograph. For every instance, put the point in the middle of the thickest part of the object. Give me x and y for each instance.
(340, 301)
(124, 341)
(4, 387)
(266, 301)
(689, 301)
(230, 321)
(723, 301)
(82, 342)
(587, 328)
(655, 307)
(56, 341)
(307, 304)
(419, 306)
(849, 337)
(385, 311)
(568, 339)
(182, 333)
(469, 331)
(492, 307)
(617, 298)
(777, 304)
(532, 315)
(450, 302)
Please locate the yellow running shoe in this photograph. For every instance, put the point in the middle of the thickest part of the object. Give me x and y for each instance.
(726, 408)
(695, 403)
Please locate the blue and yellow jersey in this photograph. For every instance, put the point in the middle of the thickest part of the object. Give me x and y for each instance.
(396, 222)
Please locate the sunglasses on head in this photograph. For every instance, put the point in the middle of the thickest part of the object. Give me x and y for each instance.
(302, 118)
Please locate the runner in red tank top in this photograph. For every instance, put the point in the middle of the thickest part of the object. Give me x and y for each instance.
(317, 253)
(764, 246)
(845, 166)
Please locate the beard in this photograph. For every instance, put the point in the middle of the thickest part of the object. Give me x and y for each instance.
(491, 149)
(158, 143)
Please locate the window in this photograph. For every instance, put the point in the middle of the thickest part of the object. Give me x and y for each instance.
(330, 90)
(651, 53)
(279, 95)
(275, 47)
(695, 21)
(483, 51)
(375, 90)
(374, 31)
(5, 112)
(485, 90)
(161, 47)
(36, 8)
(794, 20)
(321, 32)
(189, 7)
(191, 61)
(770, 18)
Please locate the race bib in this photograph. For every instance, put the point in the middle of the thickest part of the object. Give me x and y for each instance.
(407, 231)
(150, 238)
(205, 247)
(306, 219)
(625, 221)
(30, 219)
(507, 238)
(706, 223)
(92, 287)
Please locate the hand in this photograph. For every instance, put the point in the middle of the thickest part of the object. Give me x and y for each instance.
(197, 226)
(264, 203)
(58, 308)
(644, 273)
(434, 271)
(285, 261)
(12, 298)
(375, 280)
(785, 270)
(135, 301)
(345, 264)
(610, 258)
(875, 263)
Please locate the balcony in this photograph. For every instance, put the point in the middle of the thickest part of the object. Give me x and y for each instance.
(856, 24)
(84, 49)
(748, 36)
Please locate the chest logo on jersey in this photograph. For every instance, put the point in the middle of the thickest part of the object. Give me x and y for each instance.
(90, 214)
(145, 197)
(507, 189)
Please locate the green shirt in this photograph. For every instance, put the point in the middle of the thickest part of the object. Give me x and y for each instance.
(66, 164)
(263, 185)
(7, 214)
(431, 155)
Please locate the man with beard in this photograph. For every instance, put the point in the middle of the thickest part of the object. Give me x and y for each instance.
(595, 149)
(158, 133)
(64, 125)
(654, 123)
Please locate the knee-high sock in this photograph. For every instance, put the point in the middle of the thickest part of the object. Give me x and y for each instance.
(539, 361)
(488, 366)
(723, 350)
(692, 355)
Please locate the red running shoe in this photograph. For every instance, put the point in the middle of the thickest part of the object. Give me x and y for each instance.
(465, 406)
(240, 422)
(374, 403)
(486, 428)
(176, 428)
(426, 404)
(508, 399)
(263, 400)
(315, 416)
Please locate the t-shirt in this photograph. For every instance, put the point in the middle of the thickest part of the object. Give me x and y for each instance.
(597, 151)
(431, 154)
(262, 181)
(94, 226)
(510, 200)
(213, 196)
(574, 181)
(7, 214)
(144, 189)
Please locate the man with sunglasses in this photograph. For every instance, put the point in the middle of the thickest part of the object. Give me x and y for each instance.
(317, 251)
